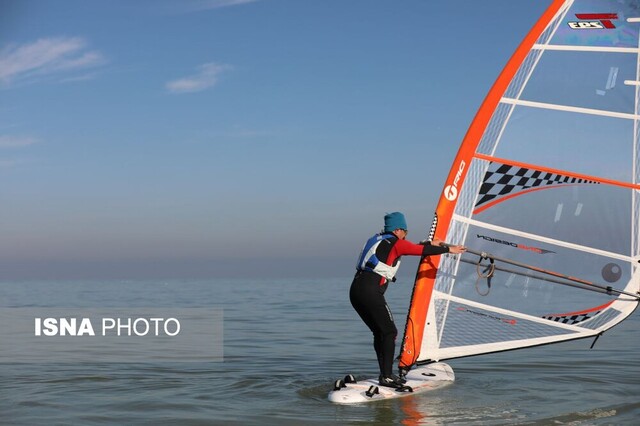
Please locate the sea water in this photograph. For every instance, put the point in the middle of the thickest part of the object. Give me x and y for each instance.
(284, 343)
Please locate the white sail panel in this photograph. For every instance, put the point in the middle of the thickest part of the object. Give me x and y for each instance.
(544, 193)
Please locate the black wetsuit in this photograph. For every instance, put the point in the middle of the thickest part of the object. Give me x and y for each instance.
(367, 297)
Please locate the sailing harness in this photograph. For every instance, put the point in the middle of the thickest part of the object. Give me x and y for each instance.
(368, 261)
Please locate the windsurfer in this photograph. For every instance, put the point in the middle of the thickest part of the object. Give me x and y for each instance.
(377, 266)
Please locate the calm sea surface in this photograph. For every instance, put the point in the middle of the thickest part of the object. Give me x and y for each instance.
(285, 342)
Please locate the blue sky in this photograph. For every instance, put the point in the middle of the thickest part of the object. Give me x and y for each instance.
(169, 139)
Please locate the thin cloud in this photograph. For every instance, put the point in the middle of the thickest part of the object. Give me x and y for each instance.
(81, 77)
(217, 4)
(16, 141)
(205, 78)
(44, 57)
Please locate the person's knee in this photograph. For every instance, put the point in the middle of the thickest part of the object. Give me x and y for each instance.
(390, 332)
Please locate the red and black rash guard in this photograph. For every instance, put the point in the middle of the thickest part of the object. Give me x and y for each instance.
(391, 249)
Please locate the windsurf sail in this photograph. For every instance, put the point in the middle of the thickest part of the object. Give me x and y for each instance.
(544, 192)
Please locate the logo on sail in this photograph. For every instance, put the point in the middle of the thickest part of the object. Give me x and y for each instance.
(510, 321)
(593, 21)
(451, 191)
(515, 245)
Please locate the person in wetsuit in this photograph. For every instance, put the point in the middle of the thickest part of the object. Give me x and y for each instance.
(377, 265)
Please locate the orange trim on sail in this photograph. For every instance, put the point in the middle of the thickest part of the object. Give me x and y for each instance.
(597, 308)
(510, 196)
(594, 179)
(423, 286)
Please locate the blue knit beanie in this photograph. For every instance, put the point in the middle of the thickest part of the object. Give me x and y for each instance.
(393, 221)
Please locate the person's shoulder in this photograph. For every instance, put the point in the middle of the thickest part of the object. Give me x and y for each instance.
(389, 237)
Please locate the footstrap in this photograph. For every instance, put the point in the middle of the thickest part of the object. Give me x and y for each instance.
(338, 384)
(404, 388)
(373, 390)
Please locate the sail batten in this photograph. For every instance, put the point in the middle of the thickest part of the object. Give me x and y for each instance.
(509, 316)
(544, 192)
(542, 239)
(578, 48)
(569, 108)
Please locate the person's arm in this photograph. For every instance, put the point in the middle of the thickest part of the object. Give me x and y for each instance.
(452, 249)
(432, 249)
(407, 248)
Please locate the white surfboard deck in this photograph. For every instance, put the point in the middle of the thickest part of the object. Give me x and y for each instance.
(420, 379)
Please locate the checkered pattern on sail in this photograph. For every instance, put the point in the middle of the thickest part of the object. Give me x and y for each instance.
(504, 179)
(571, 319)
